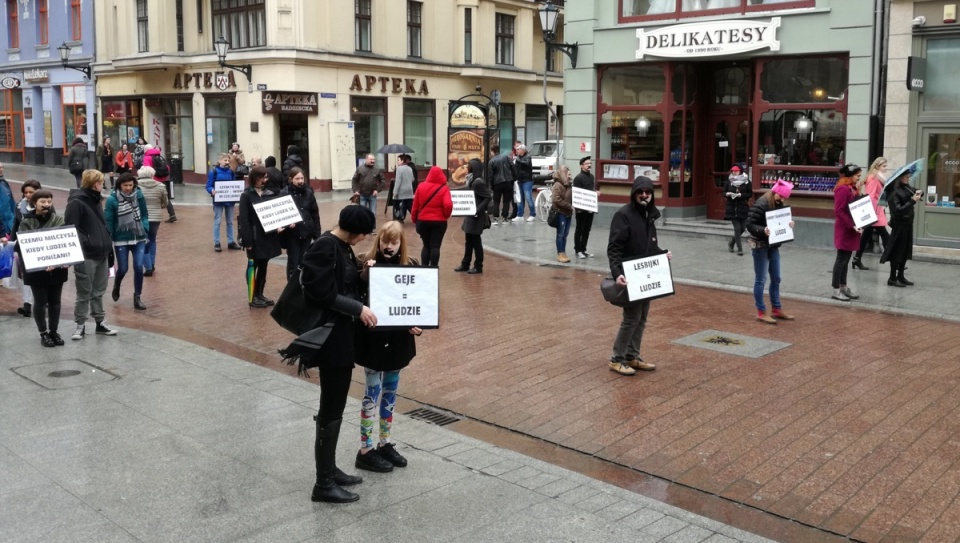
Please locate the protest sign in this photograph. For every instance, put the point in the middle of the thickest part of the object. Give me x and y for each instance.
(42, 249)
(648, 278)
(277, 213)
(464, 203)
(226, 192)
(778, 221)
(863, 212)
(584, 199)
(404, 296)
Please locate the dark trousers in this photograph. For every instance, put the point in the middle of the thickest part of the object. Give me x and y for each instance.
(334, 386)
(840, 266)
(502, 198)
(166, 185)
(259, 276)
(896, 269)
(582, 231)
(47, 299)
(473, 248)
(431, 232)
(296, 248)
(867, 237)
(739, 225)
(78, 177)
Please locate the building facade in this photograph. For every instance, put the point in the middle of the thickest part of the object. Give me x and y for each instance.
(337, 79)
(44, 106)
(680, 90)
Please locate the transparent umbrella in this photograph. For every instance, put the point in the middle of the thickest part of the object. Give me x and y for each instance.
(912, 169)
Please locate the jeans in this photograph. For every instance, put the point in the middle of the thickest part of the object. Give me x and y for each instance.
(296, 248)
(91, 282)
(473, 248)
(431, 232)
(840, 266)
(78, 177)
(401, 208)
(563, 228)
(380, 391)
(582, 232)
(218, 212)
(369, 202)
(123, 261)
(502, 198)
(630, 335)
(766, 259)
(47, 299)
(150, 251)
(526, 198)
(738, 227)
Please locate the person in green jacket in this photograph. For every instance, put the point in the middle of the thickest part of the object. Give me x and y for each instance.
(128, 224)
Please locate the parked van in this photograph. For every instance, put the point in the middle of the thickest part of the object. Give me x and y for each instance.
(543, 156)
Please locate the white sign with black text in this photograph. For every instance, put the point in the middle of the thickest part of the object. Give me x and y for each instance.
(585, 199)
(648, 278)
(50, 248)
(405, 296)
(225, 192)
(277, 213)
(708, 39)
(778, 221)
(863, 212)
(464, 203)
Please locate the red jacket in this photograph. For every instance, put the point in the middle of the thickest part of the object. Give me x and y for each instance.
(432, 201)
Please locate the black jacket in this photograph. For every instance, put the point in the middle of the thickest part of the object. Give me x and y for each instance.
(633, 233)
(307, 204)
(586, 181)
(42, 278)
(524, 167)
(902, 206)
(292, 160)
(85, 211)
(275, 179)
(501, 170)
(389, 350)
(757, 221)
(737, 208)
(260, 245)
(482, 194)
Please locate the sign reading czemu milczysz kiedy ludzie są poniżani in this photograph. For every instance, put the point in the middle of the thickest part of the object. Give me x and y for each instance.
(50, 248)
(277, 213)
(648, 278)
(405, 296)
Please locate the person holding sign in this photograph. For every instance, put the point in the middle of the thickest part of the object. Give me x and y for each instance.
(873, 186)
(584, 180)
(261, 246)
(902, 199)
(47, 284)
(846, 235)
(738, 192)
(299, 236)
(474, 226)
(221, 172)
(128, 223)
(633, 235)
(766, 255)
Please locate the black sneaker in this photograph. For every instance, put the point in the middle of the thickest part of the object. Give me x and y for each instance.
(216, 247)
(234, 247)
(389, 453)
(47, 341)
(372, 461)
(104, 330)
(259, 303)
(56, 339)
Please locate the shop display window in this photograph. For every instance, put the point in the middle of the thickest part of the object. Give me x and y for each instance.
(804, 80)
(941, 90)
(74, 102)
(632, 135)
(221, 115)
(943, 169)
(419, 130)
(11, 121)
(804, 138)
(633, 85)
(178, 119)
(370, 130)
(631, 10)
(122, 121)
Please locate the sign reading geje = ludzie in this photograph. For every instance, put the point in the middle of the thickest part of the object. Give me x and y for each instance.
(404, 296)
(863, 212)
(464, 203)
(585, 199)
(225, 192)
(277, 213)
(50, 248)
(648, 278)
(778, 221)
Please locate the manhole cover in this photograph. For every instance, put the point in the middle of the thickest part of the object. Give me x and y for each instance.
(52, 375)
(63, 373)
(432, 416)
(726, 342)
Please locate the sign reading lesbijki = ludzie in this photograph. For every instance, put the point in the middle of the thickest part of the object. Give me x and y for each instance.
(648, 278)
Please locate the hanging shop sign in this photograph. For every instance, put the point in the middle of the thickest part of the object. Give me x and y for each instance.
(289, 102)
(206, 80)
(10, 81)
(708, 39)
(395, 85)
(916, 73)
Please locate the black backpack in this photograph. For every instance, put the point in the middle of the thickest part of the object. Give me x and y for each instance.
(160, 166)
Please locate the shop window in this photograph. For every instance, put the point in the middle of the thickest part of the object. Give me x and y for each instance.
(13, 26)
(221, 114)
(143, 38)
(241, 22)
(362, 25)
(661, 9)
(507, 125)
(74, 102)
(370, 128)
(804, 80)
(680, 173)
(468, 36)
(732, 85)
(941, 91)
(43, 22)
(504, 38)
(11, 121)
(684, 85)
(632, 86)
(631, 135)
(943, 168)
(419, 130)
(122, 121)
(76, 20)
(414, 19)
(178, 119)
(797, 137)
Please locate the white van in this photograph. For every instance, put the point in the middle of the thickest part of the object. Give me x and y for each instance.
(543, 156)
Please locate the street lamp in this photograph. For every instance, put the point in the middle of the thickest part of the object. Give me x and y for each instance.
(222, 46)
(64, 51)
(549, 15)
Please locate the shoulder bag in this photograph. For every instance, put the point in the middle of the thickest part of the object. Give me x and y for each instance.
(614, 293)
(552, 217)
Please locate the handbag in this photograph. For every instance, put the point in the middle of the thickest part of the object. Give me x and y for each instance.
(614, 293)
(242, 171)
(294, 312)
(6, 260)
(552, 217)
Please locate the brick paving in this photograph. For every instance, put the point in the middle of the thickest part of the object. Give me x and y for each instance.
(850, 429)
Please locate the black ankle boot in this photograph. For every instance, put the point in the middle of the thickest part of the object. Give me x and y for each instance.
(463, 267)
(138, 304)
(26, 310)
(857, 264)
(903, 280)
(115, 294)
(326, 488)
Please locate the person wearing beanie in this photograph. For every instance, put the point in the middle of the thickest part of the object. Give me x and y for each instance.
(766, 256)
(432, 207)
(331, 281)
(902, 199)
(633, 234)
(275, 179)
(846, 235)
(293, 160)
(738, 192)
(156, 196)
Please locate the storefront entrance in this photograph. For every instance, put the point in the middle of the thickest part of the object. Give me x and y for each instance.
(293, 131)
(729, 138)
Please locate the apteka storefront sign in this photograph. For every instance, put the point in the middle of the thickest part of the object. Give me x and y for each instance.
(708, 39)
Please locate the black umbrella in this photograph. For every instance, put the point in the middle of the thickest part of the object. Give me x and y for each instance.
(394, 148)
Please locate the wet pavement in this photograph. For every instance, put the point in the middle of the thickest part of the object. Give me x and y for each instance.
(847, 430)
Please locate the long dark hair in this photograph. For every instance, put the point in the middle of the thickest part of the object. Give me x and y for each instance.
(256, 173)
(476, 168)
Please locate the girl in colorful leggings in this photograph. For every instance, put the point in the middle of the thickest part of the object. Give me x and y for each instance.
(383, 354)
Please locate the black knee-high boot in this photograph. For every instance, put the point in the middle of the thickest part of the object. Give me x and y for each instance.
(327, 487)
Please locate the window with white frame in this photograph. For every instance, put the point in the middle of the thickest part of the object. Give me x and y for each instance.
(143, 39)
(363, 24)
(243, 23)
(414, 19)
(505, 38)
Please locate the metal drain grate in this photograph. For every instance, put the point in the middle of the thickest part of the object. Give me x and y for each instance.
(432, 416)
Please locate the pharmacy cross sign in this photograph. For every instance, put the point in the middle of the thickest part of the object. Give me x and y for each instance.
(222, 81)
(26, 8)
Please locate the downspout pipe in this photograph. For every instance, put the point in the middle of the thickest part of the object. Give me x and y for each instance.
(881, 33)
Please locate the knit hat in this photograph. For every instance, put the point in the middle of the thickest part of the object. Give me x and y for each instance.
(357, 220)
(782, 188)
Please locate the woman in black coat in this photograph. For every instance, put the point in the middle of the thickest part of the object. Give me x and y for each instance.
(902, 199)
(298, 237)
(738, 192)
(260, 246)
(46, 284)
(474, 226)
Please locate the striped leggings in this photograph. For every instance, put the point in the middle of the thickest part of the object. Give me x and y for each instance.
(381, 391)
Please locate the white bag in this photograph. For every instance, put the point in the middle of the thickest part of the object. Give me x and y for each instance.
(14, 280)
(516, 192)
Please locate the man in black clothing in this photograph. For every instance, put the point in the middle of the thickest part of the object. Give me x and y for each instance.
(501, 170)
(584, 180)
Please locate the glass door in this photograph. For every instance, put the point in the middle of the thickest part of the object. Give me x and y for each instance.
(730, 141)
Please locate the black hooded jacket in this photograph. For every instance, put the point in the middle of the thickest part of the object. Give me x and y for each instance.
(85, 211)
(307, 204)
(633, 233)
(293, 160)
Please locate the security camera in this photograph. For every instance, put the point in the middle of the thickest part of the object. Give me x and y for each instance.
(919, 20)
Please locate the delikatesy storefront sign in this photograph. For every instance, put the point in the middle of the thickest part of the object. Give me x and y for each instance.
(708, 39)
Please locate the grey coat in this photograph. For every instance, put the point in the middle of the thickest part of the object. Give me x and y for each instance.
(482, 194)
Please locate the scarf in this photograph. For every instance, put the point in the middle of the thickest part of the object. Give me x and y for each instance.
(737, 180)
(128, 214)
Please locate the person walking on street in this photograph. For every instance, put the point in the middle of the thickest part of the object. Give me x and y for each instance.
(633, 235)
(77, 159)
(584, 180)
(127, 221)
(902, 199)
(85, 212)
(873, 187)
(524, 168)
(221, 172)
(154, 159)
(138, 153)
(738, 192)
(846, 235)
(766, 255)
(563, 204)
(300, 236)
(45, 284)
(261, 246)
(501, 171)
(155, 195)
(401, 191)
(432, 207)
(293, 160)
(8, 210)
(26, 191)
(105, 156)
(123, 160)
(474, 226)
(367, 182)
